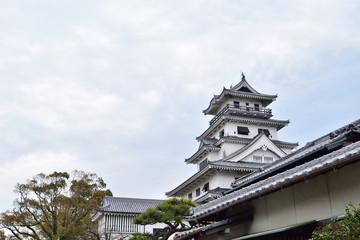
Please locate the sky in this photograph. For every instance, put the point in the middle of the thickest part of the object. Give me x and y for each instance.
(117, 88)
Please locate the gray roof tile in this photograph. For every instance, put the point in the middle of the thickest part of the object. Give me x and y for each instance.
(279, 180)
(127, 205)
(308, 149)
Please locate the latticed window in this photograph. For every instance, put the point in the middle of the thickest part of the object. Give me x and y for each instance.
(268, 159)
(198, 192)
(203, 164)
(257, 158)
(121, 223)
(236, 104)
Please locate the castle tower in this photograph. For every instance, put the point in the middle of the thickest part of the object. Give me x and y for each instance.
(241, 138)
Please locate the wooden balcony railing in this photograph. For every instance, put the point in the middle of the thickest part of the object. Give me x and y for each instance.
(243, 111)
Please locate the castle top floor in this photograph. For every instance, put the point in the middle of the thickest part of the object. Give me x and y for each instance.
(243, 100)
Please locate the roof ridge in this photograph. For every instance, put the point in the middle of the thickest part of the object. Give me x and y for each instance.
(128, 198)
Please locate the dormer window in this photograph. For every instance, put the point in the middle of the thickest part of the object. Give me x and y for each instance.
(206, 187)
(198, 192)
(257, 159)
(221, 133)
(203, 164)
(268, 159)
(243, 130)
(236, 104)
(265, 131)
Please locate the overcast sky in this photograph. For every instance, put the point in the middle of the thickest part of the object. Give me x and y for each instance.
(118, 87)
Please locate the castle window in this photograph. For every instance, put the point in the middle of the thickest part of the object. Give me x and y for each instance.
(206, 187)
(198, 192)
(268, 159)
(203, 164)
(221, 133)
(190, 195)
(265, 131)
(236, 104)
(257, 158)
(257, 107)
(243, 130)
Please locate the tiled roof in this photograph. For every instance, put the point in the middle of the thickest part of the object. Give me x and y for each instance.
(240, 119)
(214, 166)
(241, 164)
(127, 205)
(308, 149)
(209, 141)
(277, 181)
(234, 91)
(243, 149)
(196, 230)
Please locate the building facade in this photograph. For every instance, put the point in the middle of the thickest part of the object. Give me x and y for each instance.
(241, 138)
(115, 217)
(288, 199)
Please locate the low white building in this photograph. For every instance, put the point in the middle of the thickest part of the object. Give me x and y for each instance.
(115, 217)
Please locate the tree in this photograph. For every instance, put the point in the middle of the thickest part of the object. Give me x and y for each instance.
(170, 212)
(55, 206)
(346, 229)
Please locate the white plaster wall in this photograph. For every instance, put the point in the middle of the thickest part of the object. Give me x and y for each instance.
(227, 149)
(257, 147)
(224, 179)
(321, 197)
(212, 156)
(221, 179)
(149, 228)
(230, 129)
(262, 153)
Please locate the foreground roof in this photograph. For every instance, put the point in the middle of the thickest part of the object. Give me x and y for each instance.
(280, 180)
(308, 149)
(127, 205)
(313, 167)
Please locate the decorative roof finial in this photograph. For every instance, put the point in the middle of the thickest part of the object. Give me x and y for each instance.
(242, 76)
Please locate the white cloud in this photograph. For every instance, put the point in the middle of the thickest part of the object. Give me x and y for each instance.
(124, 82)
(27, 166)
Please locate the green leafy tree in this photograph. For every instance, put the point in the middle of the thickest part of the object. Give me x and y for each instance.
(170, 212)
(346, 229)
(142, 236)
(55, 206)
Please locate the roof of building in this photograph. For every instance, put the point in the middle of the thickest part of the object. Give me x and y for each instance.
(308, 149)
(127, 205)
(225, 163)
(243, 120)
(213, 144)
(290, 176)
(210, 169)
(242, 90)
